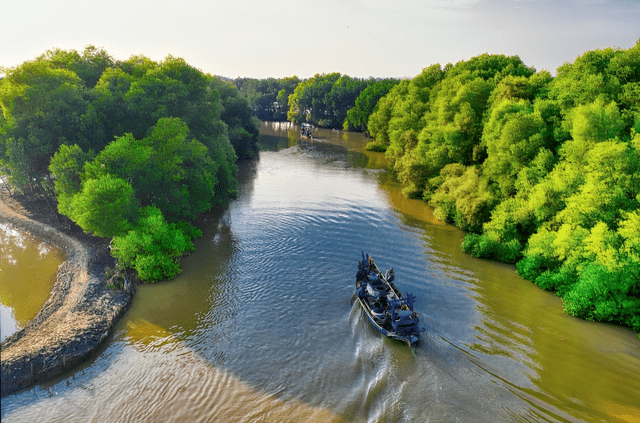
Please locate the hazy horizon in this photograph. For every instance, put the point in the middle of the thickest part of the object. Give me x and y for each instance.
(360, 38)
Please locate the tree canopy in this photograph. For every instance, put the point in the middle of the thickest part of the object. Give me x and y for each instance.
(268, 98)
(325, 99)
(121, 143)
(543, 172)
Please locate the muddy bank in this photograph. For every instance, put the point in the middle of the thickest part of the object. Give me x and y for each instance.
(79, 314)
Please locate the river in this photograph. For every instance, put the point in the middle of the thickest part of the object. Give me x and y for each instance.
(259, 326)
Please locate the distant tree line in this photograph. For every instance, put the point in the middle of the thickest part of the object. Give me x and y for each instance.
(328, 100)
(132, 150)
(268, 98)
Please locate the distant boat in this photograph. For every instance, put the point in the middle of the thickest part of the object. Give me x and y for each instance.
(306, 131)
(390, 312)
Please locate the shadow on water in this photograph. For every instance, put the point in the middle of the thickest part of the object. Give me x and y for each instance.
(259, 326)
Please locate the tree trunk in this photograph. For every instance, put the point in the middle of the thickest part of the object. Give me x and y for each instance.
(46, 198)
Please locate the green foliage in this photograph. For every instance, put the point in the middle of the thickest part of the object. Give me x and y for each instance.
(378, 124)
(482, 245)
(513, 135)
(367, 103)
(608, 286)
(605, 295)
(268, 98)
(504, 234)
(162, 92)
(325, 99)
(586, 80)
(66, 97)
(110, 137)
(492, 66)
(105, 206)
(42, 108)
(438, 122)
(307, 103)
(236, 113)
(437, 118)
(375, 146)
(152, 247)
(164, 163)
(544, 172)
(587, 250)
(65, 167)
(89, 65)
(187, 174)
(596, 121)
(610, 185)
(166, 170)
(462, 198)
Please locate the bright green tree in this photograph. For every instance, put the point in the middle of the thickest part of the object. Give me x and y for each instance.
(66, 167)
(89, 65)
(153, 247)
(42, 108)
(106, 206)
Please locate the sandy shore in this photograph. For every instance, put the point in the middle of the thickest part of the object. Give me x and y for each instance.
(79, 314)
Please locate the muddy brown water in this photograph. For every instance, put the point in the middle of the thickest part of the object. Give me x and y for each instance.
(27, 274)
(259, 325)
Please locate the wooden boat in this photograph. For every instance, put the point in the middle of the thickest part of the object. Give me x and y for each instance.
(388, 310)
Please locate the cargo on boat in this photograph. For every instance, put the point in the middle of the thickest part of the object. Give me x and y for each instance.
(388, 310)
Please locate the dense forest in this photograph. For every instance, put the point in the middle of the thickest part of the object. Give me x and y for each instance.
(541, 171)
(131, 150)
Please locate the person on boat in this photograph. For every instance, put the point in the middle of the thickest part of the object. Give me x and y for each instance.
(389, 276)
(361, 275)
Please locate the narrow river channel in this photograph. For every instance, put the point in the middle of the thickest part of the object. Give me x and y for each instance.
(259, 326)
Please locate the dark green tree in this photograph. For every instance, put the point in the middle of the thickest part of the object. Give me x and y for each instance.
(243, 129)
(367, 103)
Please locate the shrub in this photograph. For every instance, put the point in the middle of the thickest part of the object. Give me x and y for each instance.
(376, 146)
(605, 295)
(106, 206)
(153, 247)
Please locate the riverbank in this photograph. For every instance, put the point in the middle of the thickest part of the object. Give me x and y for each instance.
(80, 312)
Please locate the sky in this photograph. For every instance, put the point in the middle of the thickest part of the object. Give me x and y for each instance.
(280, 38)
